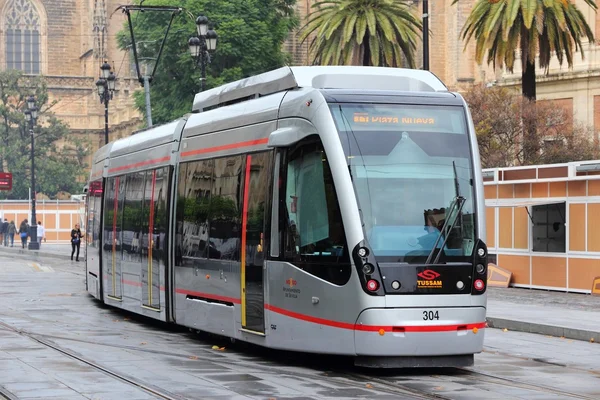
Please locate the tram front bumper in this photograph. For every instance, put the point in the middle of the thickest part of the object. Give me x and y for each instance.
(418, 332)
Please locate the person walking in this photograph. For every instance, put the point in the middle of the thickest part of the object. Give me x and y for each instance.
(12, 229)
(24, 232)
(75, 241)
(4, 231)
(41, 233)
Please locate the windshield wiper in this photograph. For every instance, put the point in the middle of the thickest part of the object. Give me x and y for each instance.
(458, 202)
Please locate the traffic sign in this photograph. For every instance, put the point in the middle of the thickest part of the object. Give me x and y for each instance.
(5, 181)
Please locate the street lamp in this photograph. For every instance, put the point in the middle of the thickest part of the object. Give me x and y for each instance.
(202, 45)
(106, 87)
(31, 114)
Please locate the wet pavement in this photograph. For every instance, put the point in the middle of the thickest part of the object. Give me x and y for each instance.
(56, 342)
(569, 315)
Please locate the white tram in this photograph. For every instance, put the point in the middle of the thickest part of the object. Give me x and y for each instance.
(319, 209)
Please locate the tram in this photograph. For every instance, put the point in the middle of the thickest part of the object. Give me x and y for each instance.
(335, 210)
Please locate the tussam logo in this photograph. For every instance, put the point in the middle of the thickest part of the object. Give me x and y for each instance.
(429, 280)
(291, 282)
(428, 274)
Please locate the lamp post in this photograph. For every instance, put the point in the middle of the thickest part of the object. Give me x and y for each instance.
(202, 44)
(31, 114)
(106, 88)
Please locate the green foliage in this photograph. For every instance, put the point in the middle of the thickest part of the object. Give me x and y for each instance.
(378, 32)
(541, 28)
(251, 34)
(57, 169)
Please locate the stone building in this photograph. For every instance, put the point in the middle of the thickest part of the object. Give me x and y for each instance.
(576, 89)
(66, 41)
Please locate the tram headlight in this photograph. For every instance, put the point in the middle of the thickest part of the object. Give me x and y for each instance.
(396, 285)
(481, 252)
(480, 268)
(372, 285)
(460, 285)
(368, 269)
(363, 252)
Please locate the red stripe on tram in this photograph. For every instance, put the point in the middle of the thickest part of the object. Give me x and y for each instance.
(334, 324)
(208, 296)
(140, 164)
(375, 328)
(230, 146)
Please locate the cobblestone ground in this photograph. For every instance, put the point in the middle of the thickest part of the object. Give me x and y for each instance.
(56, 342)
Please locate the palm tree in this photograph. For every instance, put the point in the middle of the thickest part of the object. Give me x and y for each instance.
(535, 27)
(372, 32)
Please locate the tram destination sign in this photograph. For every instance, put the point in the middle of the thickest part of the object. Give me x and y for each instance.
(5, 181)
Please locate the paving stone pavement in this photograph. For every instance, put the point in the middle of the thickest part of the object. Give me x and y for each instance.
(570, 315)
(45, 303)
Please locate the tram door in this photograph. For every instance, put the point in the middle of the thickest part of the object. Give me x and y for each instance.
(152, 240)
(113, 215)
(256, 183)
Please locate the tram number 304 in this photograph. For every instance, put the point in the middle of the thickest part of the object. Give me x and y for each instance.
(430, 315)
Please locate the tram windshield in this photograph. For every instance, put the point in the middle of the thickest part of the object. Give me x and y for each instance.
(412, 171)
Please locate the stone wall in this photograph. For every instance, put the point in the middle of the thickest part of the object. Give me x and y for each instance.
(71, 59)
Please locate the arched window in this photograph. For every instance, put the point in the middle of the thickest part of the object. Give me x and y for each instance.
(23, 35)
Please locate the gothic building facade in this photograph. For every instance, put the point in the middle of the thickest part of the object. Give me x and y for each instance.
(66, 41)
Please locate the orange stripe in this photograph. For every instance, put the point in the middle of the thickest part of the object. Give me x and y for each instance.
(140, 164)
(248, 143)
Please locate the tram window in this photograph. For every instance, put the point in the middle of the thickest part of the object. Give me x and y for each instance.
(97, 221)
(94, 210)
(180, 212)
(224, 210)
(109, 207)
(161, 191)
(195, 182)
(133, 215)
(145, 235)
(549, 233)
(314, 237)
(258, 187)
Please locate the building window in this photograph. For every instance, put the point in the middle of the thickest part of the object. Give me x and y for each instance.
(549, 228)
(22, 23)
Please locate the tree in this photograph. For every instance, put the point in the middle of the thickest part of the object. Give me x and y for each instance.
(251, 35)
(58, 168)
(534, 27)
(376, 32)
(501, 115)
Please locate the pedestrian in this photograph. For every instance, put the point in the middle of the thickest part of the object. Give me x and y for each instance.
(12, 229)
(4, 232)
(24, 232)
(41, 233)
(75, 241)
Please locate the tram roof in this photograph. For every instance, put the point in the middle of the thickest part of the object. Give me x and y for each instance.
(319, 77)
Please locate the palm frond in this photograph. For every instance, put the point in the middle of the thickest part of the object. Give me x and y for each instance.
(339, 29)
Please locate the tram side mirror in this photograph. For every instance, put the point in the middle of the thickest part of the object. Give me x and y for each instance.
(288, 135)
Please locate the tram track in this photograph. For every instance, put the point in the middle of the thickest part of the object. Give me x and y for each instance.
(150, 389)
(363, 380)
(497, 380)
(345, 379)
(340, 374)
